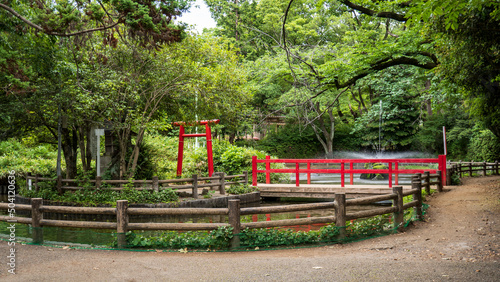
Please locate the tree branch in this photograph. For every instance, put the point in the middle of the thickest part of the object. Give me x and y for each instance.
(41, 29)
(386, 63)
(364, 10)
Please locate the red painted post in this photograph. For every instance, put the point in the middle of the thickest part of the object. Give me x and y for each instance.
(181, 150)
(342, 179)
(351, 166)
(390, 174)
(268, 168)
(308, 173)
(209, 150)
(442, 168)
(396, 168)
(297, 178)
(254, 171)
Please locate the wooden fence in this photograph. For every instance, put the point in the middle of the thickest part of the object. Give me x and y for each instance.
(218, 180)
(427, 179)
(233, 211)
(469, 168)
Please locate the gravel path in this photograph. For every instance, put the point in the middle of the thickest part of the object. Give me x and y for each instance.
(459, 241)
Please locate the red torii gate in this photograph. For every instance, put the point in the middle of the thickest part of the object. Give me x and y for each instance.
(207, 134)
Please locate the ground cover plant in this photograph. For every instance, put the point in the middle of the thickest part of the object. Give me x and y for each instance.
(89, 196)
(220, 239)
(239, 189)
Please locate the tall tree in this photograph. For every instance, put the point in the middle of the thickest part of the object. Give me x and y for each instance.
(150, 21)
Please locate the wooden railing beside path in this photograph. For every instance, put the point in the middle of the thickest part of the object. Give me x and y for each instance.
(218, 180)
(233, 211)
(428, 179)
(468, 168)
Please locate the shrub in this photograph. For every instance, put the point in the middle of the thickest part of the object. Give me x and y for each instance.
(291, 141)
(93, 197)
(22, 158)
(484, 146)
(239, 189)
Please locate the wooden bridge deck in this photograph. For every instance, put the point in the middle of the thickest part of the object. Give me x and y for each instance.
(323, 190)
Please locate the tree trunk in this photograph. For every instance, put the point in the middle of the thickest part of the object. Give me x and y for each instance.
(132, 163)
(70, 148)
(326, 139)
(84, 143)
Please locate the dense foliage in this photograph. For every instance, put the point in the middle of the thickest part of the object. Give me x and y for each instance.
(290, 141)
(220, 238)
(355, 75)
(103, 196)
(23, 157)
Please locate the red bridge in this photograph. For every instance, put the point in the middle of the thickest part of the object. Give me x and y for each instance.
(342, 167)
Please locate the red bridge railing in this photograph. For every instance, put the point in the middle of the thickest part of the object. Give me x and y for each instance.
(346, 167)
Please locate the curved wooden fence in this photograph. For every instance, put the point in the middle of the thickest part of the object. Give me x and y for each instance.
(219, 180)
(233, 211)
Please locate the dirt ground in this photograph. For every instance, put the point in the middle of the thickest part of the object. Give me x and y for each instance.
(459, 241)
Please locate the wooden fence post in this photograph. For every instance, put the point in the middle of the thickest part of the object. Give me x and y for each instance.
(440, 183)
(340, 214)
(417, 184)
(398, 202)
(195, 186)
(470, 169)
(497, 169)
(245, 176)
(449, 174)
(427, 182)
(155, 184)
(121, 222)
(36, 220)
(222, 189)
(484, 169)
(98, 182)
(234, 221)
(418, 176)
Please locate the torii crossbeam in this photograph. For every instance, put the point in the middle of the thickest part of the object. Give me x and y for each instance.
(207, 134)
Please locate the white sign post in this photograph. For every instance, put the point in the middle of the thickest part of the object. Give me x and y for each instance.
(98, 134)
(444, 141)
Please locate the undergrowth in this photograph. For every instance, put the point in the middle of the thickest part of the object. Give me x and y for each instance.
(89, 196)
(220, 239)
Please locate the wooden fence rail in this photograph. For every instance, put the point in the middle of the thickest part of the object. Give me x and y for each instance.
(428, 179)
(218, 180)
(463, 168)
(233, 211)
